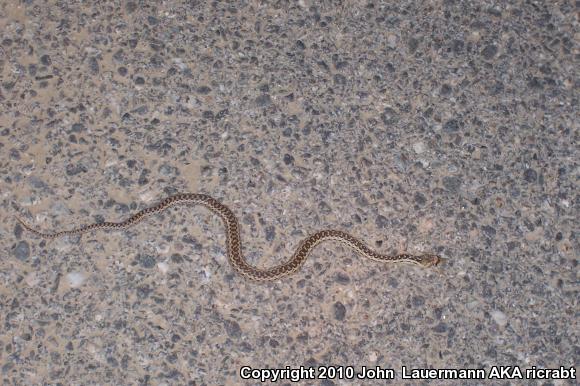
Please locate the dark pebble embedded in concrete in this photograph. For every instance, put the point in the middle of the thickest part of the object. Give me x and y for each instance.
(288, 159)
(203, 90)
(530, 175)
(146, 261)
(263, 100)
(381, 222)
(22, 250)
(420, 198)
(452, 184)
(489, 51)
(451, 126)
(270, 232)
(440, 328)
(73, 169)
(342, 278)
(389, 116)
(339, 311)
(45, 59)
(232, 328)
(144, 291)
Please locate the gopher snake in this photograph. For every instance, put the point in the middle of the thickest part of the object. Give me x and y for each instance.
(234, 243)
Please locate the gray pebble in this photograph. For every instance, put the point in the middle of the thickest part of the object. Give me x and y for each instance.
(144, 291)
(381, 221)
(457, 46)
(420, 198)
(119, 56)
(141, 110)
(45, 59)
(143, 177)
(451, 126)
(389, 116)
(339, 311)
(18, 231)
(93, 66)
(342, 278)
(77, 128)
(168, 170)
(270, 232)
(489, 51)
(440, 328)
(146, 261)
(232, 328)
(21, 251)
(530, 175)
(204, 90)
(418, 301)
(535, 83)
(263, 100)
(37, 182)
(176, 258)
(339, 79)
(246, 347)
(152, 20)
(412, 44)
(14, 154)
(324, 207)
(188, 239)
(130, 7)
(452, 184)
(488, 230)
(6, 367)
(72, 170)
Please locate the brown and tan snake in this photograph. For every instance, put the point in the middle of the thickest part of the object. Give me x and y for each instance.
(234, 243)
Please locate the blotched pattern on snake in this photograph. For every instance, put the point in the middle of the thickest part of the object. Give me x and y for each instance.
(234, 243)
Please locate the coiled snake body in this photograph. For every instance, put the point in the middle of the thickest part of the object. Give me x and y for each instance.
(234, 243)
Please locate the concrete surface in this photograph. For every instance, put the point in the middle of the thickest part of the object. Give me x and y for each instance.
(438, 126)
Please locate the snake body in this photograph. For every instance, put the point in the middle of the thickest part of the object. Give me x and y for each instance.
(234, 243)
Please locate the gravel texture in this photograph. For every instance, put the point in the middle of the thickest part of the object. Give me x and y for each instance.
(436, 126)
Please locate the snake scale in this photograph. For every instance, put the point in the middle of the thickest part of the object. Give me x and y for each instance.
(234, 243)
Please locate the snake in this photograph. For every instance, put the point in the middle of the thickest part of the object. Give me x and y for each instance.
(234, 242)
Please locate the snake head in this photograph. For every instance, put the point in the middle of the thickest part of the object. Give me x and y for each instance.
(429, 260)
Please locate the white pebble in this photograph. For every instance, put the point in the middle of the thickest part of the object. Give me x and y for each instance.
(419, 147)
(31, 279)
(392, 41)
(75, 279)
(499, 317)
(163, 267)
(147, 196)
